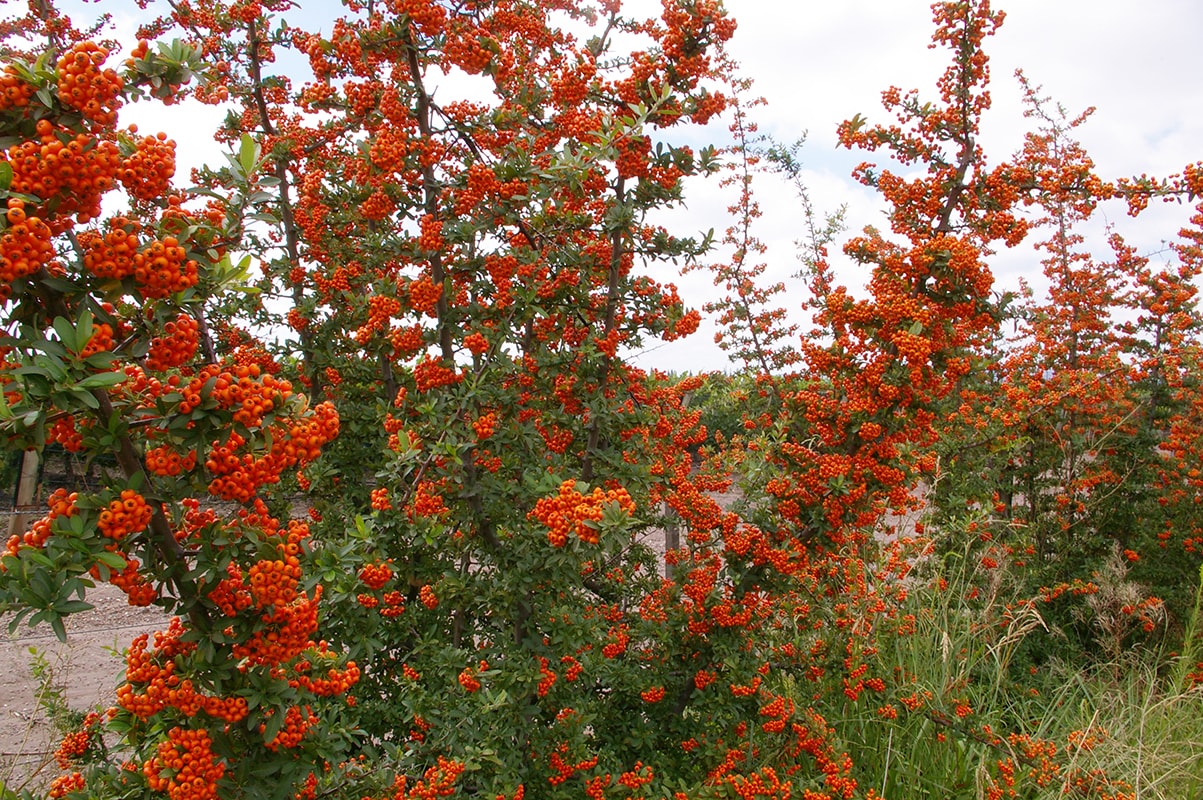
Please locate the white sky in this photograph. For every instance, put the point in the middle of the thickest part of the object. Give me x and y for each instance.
(818, 63)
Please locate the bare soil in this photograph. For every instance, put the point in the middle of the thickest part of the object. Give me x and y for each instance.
(86, 669)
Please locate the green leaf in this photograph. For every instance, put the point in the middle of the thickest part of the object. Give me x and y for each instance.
(40, 558)
(55, 352)
(110, 560)
(60, 285)
(86, 397)
(273, 725)
(100, 361)
(66, 333)
(18, 617)
(6, 176)
(248, 152)
(83, 329)
(31, 371)
(101, 380)
(56, 623)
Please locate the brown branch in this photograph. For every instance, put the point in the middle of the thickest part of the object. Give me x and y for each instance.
(292, 238)
(166, 547)
(617, 252)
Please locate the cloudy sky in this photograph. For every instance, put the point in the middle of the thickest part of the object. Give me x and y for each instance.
(818, 63)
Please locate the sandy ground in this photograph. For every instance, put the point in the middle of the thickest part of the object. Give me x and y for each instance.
(87, 667)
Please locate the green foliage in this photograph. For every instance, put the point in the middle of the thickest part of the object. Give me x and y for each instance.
(722, 400)
(376, 447)
(966, 711)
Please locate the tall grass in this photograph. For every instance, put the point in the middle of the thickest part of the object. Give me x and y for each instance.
(1123, 728)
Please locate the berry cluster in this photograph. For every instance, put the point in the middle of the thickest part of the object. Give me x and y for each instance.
(274, 583)
(64, 785)
(336, 681)
(653, 695)
(424, 295)
(380, 499)
(176, 346)
(428, 501)
(62, 504)
(467, 679)
(287, 632)
(160, 268)
(25, 246)
(439, 780)
(620, 637)
(110, 256)
(408, 340)
(476, 343)
(166, 462)
(185, 767)
(394, 604)
(381, 310)
(15, 92)
(377, 206)
(464, 49)
(297, 723)
(244, 390)
(431, 237)
(153, 681)
(250, 397)
(126, 515)
(163, 268)
(130, 580)
(76, 743)
(64, 432)
(73, 171)
(85, 87)
(564, 769)
(147, 172)
(101, 341)
(375, 576)
(548, 677)
(230, 594)
(484, 426)
(570, 511)
(778, 711)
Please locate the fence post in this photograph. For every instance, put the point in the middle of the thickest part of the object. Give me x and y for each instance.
(672, 538)
(27, 487)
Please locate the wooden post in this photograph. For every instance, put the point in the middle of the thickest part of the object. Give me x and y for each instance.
(672, 537)
(27, 487)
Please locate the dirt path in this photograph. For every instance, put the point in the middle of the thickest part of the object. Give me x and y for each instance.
(86, 667)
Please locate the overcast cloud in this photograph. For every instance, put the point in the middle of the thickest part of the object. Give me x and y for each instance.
(818, 63)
